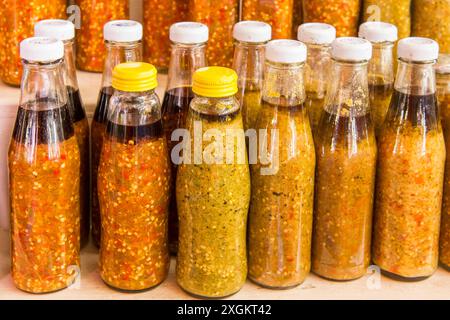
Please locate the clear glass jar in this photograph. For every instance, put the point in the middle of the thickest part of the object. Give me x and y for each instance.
(44, 175)
(281, 211)
(185, 59)
(134, 184)
(248, 63)
(91, 52)
(410, 169)
(397, 12)
(213, 193)
(220, 17)
(431, 19)
(443, 94)
(65, 30)
(158, 17)
(342, 14)
(346, 167)
(116, 53)
(279, 14)
(17, 19)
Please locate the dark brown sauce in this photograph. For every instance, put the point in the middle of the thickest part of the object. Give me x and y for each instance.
(101, 111)
(76, 106)
(43, 126)
(381, 90)
(125, 133)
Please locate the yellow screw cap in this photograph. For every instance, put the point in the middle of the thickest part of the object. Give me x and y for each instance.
(134, 77)
(215, 82)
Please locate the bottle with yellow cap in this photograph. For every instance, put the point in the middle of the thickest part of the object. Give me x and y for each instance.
(133, 183)
(213, 189)
(280, 220)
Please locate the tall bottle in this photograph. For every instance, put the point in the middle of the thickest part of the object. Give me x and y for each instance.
(188, 54)
(65, 31)
(123, 42)
(381, 67)
(410, 168)
(281, 211)
(134, 183)
(250, 38)
(213, 189)
(44, 175)
(346, 167)
(318, 38)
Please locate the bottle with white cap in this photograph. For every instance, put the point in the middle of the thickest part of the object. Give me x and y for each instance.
(187, 55)
(44, 174)
(250, 38)
(383, 37)
(64, 30)
(346, 167)
(410, 168)
(123, 42)
(318, 38)
(280, 218)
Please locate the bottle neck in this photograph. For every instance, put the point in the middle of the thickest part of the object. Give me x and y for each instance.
(317, 69)
(43, 85)
(348, 92)
(381, 66)
(70, 73)
(416, 78)
(284, 84)
(248, 63)
(119, 52)
(184, 61)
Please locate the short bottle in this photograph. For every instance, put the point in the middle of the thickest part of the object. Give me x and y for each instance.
(410, 168)
(213, 190)
(44, 175)
(188, 54)
(346, 167)
(318, 38)
(65, 31)
(250, 38)
(383, 37)
(123, 42)
(134, 183)
(281, 210)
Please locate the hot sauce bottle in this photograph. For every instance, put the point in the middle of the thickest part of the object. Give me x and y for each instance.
(44, 175)
(123, 42)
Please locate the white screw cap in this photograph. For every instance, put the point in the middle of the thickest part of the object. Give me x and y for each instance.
(189, 32)
(316, 33)
(41, 49)
(418, 49)
(252, 31)
(286, 51)
(122, 31)
(378, 32)
(443, 64)
(55, 28)
(351, 49)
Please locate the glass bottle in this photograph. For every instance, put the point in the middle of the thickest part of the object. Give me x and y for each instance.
(44, 175)
(281, 211)
(134, 183)
(381, 67)
(156, 29)
(278, 14)
(123, 44)
(410, 168)
(188, 54)
(65, 31)
(443, 94)
(95, 14)
(346, 167)
(213, 193)
(318, 38)
(220, 17)
(342, 14)
(251, 38)
(17, 19)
